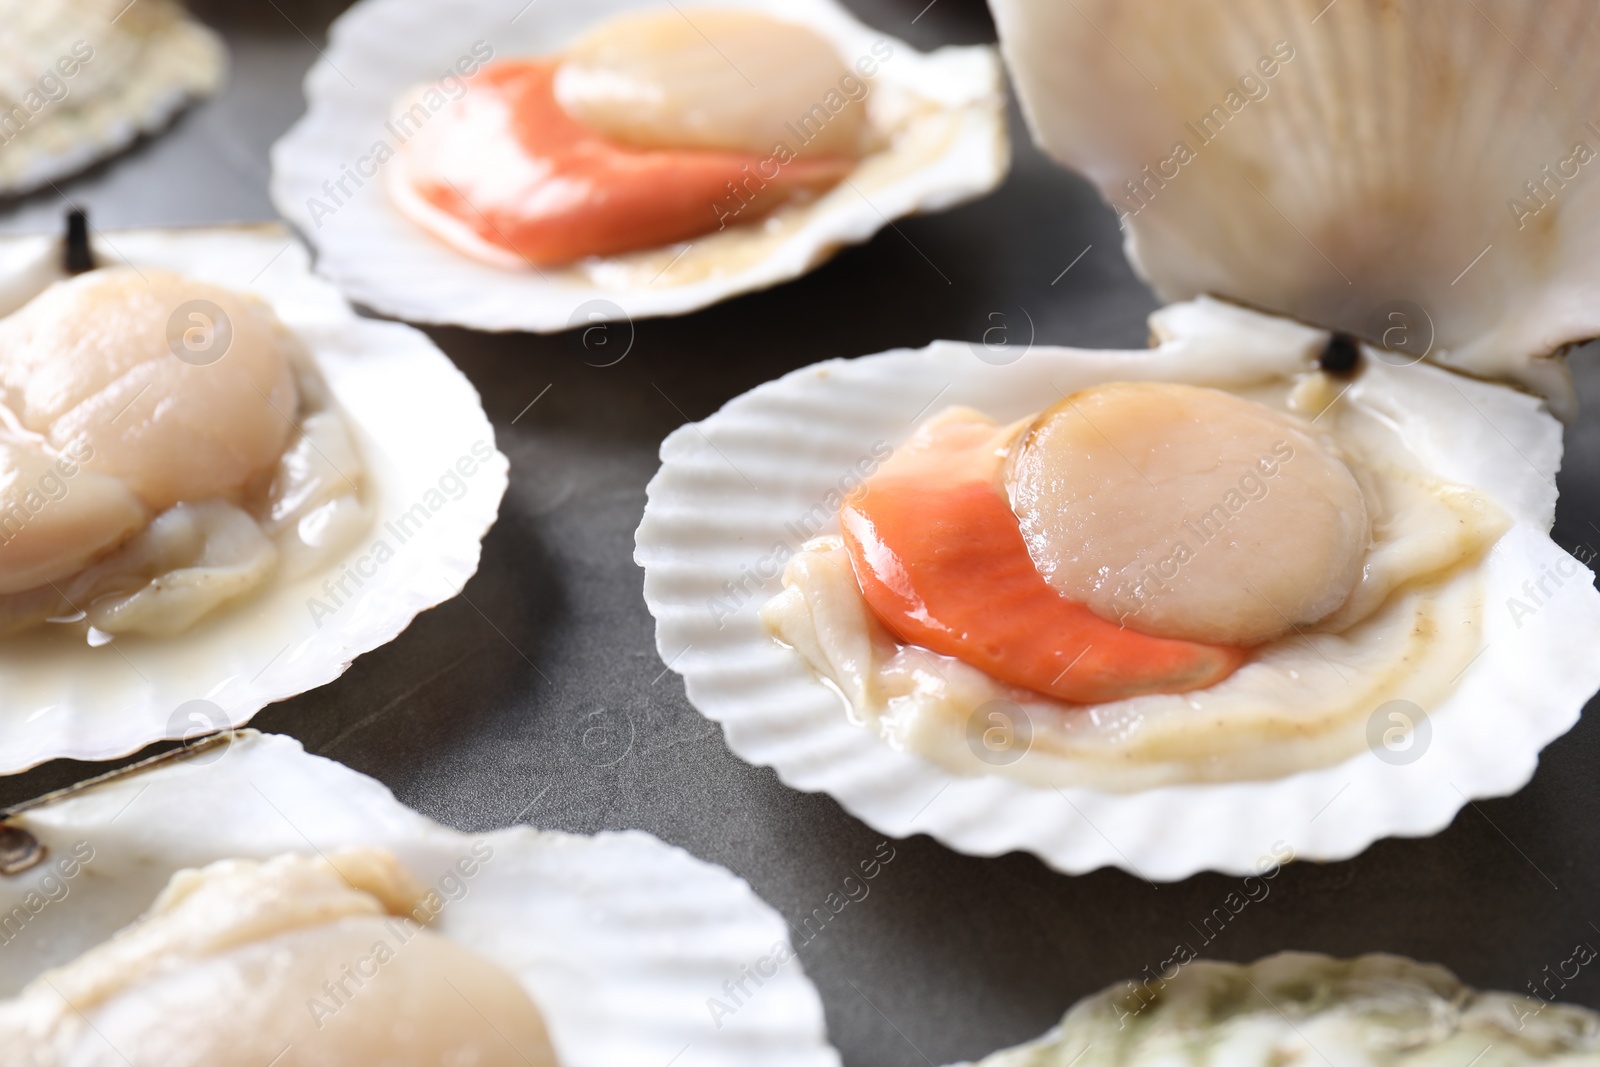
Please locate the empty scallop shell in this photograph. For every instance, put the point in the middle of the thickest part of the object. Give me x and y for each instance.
(64, 699)
(734, 487)
(952, 148)
(1344, 163)
(619, 938)
(80, 79)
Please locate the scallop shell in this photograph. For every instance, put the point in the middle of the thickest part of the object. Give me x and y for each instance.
(69, 700)
(1374, 173)
(380, 48)
(1369, 1011)
(619, 938)
(727, 485)
(146, 63)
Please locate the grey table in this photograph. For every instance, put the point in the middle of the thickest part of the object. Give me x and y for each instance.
(538, 696)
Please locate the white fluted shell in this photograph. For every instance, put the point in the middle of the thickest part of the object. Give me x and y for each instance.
(731, 487)
(1381, 165)
(951, 148)
(145, 61)
(64, 699)
(619, 938)
(1376, 1010)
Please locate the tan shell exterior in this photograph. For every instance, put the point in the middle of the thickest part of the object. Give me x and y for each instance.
(80, 79)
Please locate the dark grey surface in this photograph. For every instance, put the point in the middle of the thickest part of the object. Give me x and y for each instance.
(537, 696)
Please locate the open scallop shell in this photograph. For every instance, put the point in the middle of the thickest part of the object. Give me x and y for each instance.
(145, 62)
(1375, 172)
(619, 938)
(729, 484)
(381, 48)
(63, 699)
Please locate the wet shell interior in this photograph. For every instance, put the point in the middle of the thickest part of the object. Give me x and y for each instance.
(618, 939)
(415, 545)
(1285, 155)
(942, 115)
(714, 548)
(80, 79)
(1298, 1007)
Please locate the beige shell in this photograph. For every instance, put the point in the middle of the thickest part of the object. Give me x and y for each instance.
(1301, 1007)
(80, 79)
(1342, 162)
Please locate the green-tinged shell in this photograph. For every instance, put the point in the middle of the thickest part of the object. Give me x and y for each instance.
(1301, 1008)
